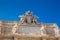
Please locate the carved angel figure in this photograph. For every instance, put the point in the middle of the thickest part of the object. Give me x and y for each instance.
(23, 19)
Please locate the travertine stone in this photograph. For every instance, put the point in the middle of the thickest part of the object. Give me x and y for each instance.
(28, 29)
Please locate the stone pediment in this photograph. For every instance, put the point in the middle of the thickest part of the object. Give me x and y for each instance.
(28, 27)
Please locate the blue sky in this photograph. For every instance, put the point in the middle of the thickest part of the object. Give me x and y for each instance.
(47, 10)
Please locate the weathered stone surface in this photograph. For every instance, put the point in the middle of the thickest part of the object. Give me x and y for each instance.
(28, 29)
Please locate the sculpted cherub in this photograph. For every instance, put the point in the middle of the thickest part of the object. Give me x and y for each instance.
(22, 19)
(35, 19)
